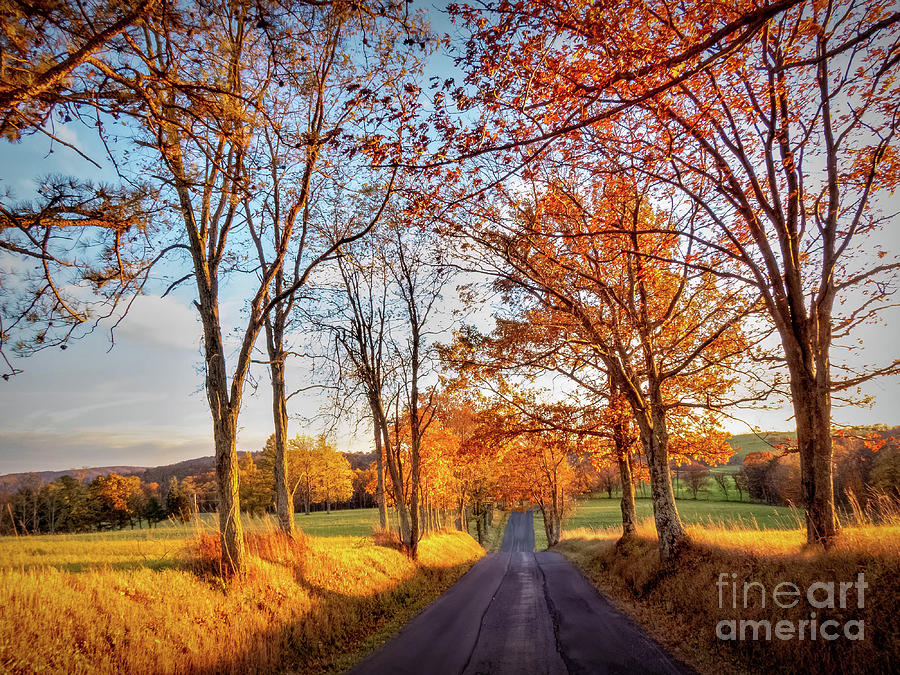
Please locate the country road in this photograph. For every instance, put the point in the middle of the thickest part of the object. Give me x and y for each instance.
(523, 612)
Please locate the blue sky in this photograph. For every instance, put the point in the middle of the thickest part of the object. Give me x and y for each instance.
(141, 402)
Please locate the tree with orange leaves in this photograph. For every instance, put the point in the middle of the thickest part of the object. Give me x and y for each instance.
(591, 264)
(114, 498)
(793, 151)
(777, 121)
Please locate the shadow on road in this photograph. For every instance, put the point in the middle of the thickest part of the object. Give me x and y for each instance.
(517, 611)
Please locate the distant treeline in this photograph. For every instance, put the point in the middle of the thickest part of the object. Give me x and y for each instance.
(866, 466)
(68, 504)
(71, 504)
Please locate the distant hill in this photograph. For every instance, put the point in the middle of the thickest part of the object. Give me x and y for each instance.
(11, 482)
(743, 444)
(181, 470)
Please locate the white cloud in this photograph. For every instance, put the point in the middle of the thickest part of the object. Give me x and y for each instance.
(161, 322)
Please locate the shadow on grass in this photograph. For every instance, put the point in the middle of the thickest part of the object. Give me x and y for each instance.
(683, 607)
(339, 628)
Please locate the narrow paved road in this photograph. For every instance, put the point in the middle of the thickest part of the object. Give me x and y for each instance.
(520, 612)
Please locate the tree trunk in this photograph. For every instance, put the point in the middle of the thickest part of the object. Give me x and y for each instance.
(669, 529)
(476, 513)
(812, 411)
(396, 472)
(629, 513)
(415, 477)
(459, 521)
(224, 413)
(284, 505)
(234, 556)
(552, 524)
(379, 466)
(415, 525)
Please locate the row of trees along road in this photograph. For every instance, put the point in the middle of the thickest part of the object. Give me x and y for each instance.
(770, 127)
(237, 113)
(652, 189)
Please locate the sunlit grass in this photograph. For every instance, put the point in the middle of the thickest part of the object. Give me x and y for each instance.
(680, 604)
(338, 523)
(110, 604)
(607, 513)
(540, 534)
(350, 522)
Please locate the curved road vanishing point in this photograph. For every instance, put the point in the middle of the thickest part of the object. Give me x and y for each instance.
(521, 612)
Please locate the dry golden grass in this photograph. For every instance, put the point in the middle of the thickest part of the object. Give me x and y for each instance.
(680, 606)
(145, 606)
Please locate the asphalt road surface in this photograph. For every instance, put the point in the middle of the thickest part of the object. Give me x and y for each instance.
(520, 612)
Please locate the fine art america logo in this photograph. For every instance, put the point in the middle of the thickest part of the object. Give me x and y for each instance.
(821, 595)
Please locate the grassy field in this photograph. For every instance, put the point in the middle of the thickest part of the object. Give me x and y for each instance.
(349, 523)
(680, 605)
(147, 601)
(604, 513)
(743, 444)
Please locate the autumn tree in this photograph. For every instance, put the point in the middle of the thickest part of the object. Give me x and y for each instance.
(355, 312)
(339, 98)
(314, 469)
(112, 495)
(336, 478)
(624, 439)
(476, 466)
(201, 89)
(154, 511)
(791, 150)
(81, 248)
(419, 280)
(592, 262)
(740, 482)
(546, 477)
(201, 491)
(537, 72)
(178, 504)
(778, 122)
(530, 348)
(305, 455)
(74, 510)
(82, 251)
(42, 48)
(536, 466)
(301, 466)
(380, 313)
(363, 477)
(26, 504)
(696, 476)
(724, 481)
(255, 486)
